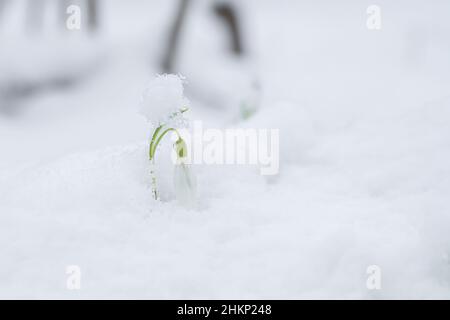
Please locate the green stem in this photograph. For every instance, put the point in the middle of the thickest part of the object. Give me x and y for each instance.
(155, 134)
(153, 145)
(156, 143)
(153, 180)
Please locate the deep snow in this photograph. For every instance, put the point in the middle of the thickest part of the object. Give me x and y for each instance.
(364, 177)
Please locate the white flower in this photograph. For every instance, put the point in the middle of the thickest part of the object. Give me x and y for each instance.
(163, 99)
(183, 177)
(163, 104)
(185, 185)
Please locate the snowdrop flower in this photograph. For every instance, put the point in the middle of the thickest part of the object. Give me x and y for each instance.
(163, 99)
(183, 179)
(164, 105)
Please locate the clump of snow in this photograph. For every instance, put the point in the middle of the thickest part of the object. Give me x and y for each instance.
(163, 98)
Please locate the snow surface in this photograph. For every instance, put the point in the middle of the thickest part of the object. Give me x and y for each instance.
(364, 177)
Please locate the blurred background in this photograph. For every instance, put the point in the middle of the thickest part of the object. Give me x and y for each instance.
(66, 89)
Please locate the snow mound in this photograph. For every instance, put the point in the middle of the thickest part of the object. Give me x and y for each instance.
(365, 200)
(113, 177)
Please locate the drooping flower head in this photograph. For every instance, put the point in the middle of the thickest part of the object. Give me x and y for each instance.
(163, 100)
(184, 179)
(163, 104)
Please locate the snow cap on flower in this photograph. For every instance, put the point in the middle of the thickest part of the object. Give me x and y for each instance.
(163, 99)
(185, 185)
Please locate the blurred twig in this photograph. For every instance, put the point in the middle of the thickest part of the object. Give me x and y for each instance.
(35, 15)
(2, 7)
(171, 51)
(92, 18)
(229, 15)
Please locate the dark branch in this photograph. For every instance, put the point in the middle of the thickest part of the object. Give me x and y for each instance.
(174, 37)
(228, 13)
